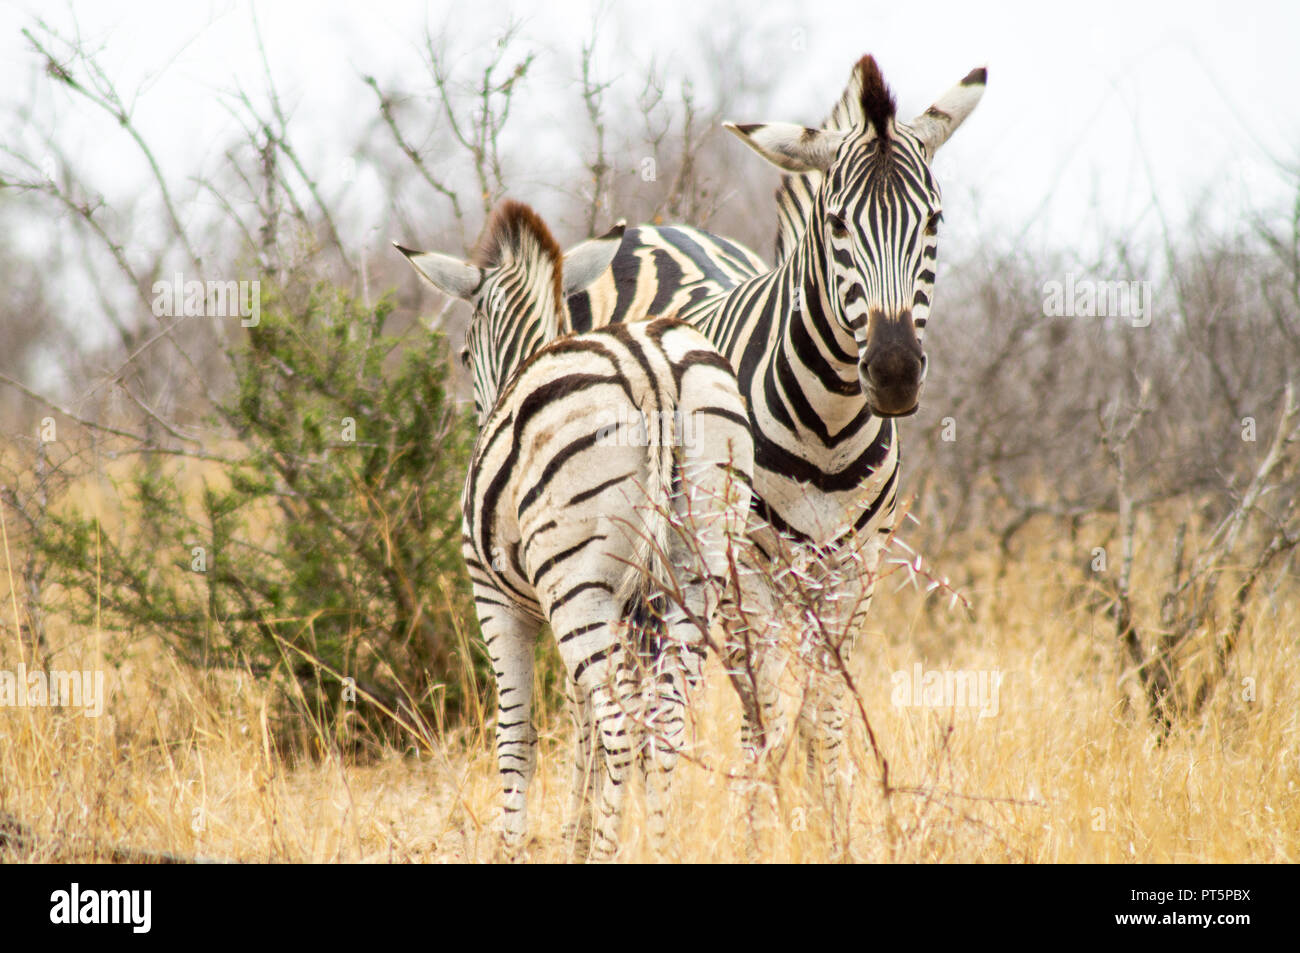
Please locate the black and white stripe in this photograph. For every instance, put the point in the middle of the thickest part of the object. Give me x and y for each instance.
(606, 462)
(827, 346)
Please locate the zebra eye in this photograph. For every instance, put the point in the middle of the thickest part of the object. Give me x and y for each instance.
(932, 226)
(838, 228)
(464, 358)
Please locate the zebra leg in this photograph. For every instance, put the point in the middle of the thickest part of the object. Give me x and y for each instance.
(763, 725)
(577, 829)
(730, 590)
(715, 531)
(698, 556)
(591, 639)
(510, 641)
(822, 723)
(672, 681)
(831, 720)
(816, 683)
(614, 708)
(750, 656)
(827, 720)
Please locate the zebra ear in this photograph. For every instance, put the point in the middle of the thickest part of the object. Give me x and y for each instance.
(584, 263)
(788, 145)
(449, 275)
(941, 120)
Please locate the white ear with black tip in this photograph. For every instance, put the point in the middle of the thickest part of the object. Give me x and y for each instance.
(788, 145)
(950, 110)
(449, 275)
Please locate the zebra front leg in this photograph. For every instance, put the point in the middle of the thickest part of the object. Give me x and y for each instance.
(824, 717)
(821, 729)
(510, 642)
(762, 726)
(752, 665)
(753, 662)
(826, 729)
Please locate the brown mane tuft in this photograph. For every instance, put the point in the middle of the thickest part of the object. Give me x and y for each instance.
(510, 228)
(878, 105)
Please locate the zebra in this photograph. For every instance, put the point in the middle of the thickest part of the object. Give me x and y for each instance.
(827, 346)
(580, 482)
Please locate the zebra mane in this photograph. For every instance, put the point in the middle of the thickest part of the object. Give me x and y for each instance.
(515, 233)
(874, 97)
(867, 99)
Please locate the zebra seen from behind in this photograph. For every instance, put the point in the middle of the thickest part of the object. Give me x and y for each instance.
(826, 346)
(582, 504)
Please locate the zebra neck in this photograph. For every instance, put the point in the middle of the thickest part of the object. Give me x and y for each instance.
(814, 359)
(515, 345)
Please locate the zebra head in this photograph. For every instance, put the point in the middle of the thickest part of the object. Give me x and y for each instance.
(872, 224)
(518, 282)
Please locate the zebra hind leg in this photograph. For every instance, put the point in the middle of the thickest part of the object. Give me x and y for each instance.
(510, 644)
(669, 685)
(592, 639)
(615, 709)
(586, 756)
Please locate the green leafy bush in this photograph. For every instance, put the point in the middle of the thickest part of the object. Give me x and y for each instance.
(323, 543)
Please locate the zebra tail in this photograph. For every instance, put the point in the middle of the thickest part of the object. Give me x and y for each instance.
(644, 602)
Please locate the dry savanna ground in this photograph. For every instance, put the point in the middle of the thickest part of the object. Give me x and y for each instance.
(1061, 766)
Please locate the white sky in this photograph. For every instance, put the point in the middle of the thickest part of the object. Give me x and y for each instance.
(1089, 106)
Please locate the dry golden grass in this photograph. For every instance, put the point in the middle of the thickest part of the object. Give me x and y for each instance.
(1066, 771)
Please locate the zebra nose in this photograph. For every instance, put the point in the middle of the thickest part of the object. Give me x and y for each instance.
(893, 368)
(894, 381)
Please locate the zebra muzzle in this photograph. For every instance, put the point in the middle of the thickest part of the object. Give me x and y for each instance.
(892, 369)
